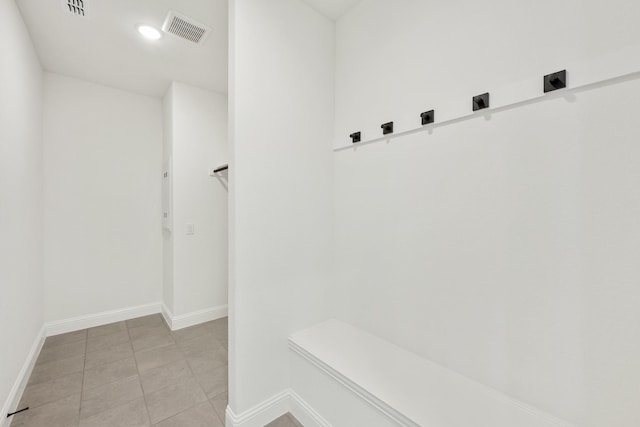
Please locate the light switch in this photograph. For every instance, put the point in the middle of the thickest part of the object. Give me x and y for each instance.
(191, 229)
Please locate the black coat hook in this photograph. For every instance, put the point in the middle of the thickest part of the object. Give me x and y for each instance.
(555, 81)
(387, 128)
(428, 117)
(480, 102)
(355, 137)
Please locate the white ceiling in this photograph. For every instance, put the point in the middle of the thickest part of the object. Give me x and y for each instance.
(104, 47)
(333, 9)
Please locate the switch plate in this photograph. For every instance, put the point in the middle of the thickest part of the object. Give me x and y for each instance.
(191, 229)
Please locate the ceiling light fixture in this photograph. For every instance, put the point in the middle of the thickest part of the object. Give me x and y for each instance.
(149, 32)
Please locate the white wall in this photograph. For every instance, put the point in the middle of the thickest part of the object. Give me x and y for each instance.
(102, 169)
(198, 122)
(21, 300)
(504, 247)
(281, 107)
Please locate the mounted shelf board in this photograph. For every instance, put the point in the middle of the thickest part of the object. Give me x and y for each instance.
(618, 66)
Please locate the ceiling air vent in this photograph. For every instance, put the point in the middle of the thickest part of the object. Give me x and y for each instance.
(185, 27)
(75, 7)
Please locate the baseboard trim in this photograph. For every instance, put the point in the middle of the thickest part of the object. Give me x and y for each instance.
(274, 407)
(262, 413)
(196, 317)
(21, 381)
(305, 413)
(99, 319)
(167, 315)
(106, 317)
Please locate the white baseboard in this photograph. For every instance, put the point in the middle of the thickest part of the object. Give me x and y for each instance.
(99, 319)
(21, 382)
(195, 318)
(106, 317)
(261, 414)
(308, 416)
(167, 315)
(274, 407)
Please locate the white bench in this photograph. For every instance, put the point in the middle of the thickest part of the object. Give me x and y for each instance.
(408, 389)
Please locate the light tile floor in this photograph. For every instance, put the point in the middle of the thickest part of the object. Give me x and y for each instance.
(133, 373)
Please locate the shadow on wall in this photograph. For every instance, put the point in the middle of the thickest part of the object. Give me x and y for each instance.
(223, 178)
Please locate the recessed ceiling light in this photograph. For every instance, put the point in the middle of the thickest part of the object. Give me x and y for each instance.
(149, 32)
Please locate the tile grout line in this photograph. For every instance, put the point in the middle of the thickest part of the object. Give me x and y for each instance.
(55, 378)
(192, 376)
(219, 347)
(226, 366)
(84, 369)
(144, 396)
(111, 381)
(161, 366)
(102, 351)
(45, 346)
(130, 341)
(84, 365)
(200, 386)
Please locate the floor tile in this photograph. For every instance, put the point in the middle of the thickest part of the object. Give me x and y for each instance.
(201, 415)
(39, 394)
(111, 372)
(207, 360)
(113, 354)
(225, 344)
(164, 376)
(222, 323)
(131, 414)
(219, 404)
(109, 396)
(142, 331)
(59, 352)
(219, 327)
(196, 345)
(286, 420)
(156, 337)
(149, 359)
(109, 329)
(107, 341)
(152, 320)
(67, 338)
(61, 413)
(171, 400)
(294, 421)
(214, 382)
(191, 332)
(184, 374)
(50, 370)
